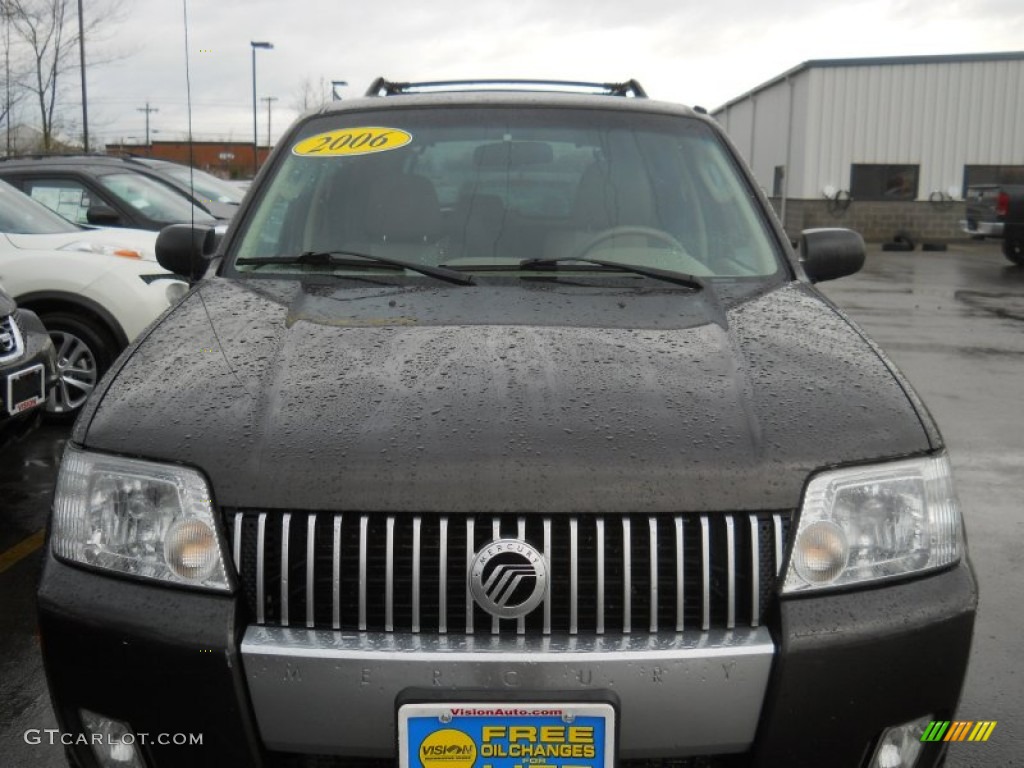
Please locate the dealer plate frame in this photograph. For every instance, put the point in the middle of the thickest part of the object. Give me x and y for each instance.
(474, 715)
(14, 408)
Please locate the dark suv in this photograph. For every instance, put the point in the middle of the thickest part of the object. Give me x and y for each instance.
(104, 191)
(28, 369)
(505, 427)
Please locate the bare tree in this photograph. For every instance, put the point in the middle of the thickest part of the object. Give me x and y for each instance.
(311, 95)
(50, 34)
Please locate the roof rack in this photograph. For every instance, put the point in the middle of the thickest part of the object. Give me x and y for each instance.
(383, 87)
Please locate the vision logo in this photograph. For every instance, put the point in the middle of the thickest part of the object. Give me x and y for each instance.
(958, 730)
(447, 748)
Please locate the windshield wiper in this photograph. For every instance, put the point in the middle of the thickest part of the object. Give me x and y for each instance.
(679, 278)
(352, 259)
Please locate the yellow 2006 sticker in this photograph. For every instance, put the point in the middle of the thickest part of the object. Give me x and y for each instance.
(352, 141)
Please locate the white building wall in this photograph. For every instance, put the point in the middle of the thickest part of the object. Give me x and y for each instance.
(937, 115)
(758, 127)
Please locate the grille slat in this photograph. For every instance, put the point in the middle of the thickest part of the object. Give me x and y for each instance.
(606, 575)
(442, 581)
(469, 563)
(705, 549)
(261, 540)
(336, 575)
(653, 560)
(574, 564)
(286, 528)
(364, 524)
(417, 532)
(551, 585)
(311, 572)
(755, 573)
(680, 577)
(600, 575)
(730, 545)
(627, 577)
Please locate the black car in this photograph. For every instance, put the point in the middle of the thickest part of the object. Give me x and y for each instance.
(103, 191)
(505, 427)
(218, 197)
(28, 369)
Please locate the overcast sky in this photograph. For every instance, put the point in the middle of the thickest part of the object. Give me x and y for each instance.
(691, 52)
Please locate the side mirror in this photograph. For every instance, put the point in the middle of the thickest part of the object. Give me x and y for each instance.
(186, 250)
(827, 254)
(103, 216)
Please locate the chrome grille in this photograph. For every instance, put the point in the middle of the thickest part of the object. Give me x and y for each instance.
(11, 345)
(607, 574)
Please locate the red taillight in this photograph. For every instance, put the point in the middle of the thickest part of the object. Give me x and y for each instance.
(1002, 204)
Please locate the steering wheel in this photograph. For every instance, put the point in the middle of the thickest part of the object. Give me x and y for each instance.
(622, 231)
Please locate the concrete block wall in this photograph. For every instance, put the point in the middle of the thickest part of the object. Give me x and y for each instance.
(878, 221)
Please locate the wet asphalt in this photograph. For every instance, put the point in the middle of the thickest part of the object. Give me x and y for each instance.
(952, 321)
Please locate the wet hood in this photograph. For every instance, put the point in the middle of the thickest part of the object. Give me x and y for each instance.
(398, 398)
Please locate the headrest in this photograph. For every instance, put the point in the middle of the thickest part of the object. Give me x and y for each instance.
(403, 207)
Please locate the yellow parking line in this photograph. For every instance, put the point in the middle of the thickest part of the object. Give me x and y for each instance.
(21, 550)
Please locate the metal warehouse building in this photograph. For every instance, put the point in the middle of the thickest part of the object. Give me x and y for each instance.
(883, 145)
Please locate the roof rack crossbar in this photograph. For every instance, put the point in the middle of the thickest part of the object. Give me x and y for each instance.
(383, 87)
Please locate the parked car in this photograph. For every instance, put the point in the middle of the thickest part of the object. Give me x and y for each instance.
(431, 470)
(94, 289)
(28, 369)
(28, 224)
(219, 197)
(997, 210)
(106, 191)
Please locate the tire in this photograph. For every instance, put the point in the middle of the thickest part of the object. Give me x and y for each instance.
(1014, 251)
(84, 352)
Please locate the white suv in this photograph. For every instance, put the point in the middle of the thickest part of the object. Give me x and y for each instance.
(94, 289)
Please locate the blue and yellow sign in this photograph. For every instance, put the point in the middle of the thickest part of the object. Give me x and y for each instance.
(488, 735)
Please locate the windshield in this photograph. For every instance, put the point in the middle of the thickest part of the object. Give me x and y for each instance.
(20, 215)
(152, 199)
(491, 187)
(205, 184)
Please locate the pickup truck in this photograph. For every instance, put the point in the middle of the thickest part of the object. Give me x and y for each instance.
(995, 210)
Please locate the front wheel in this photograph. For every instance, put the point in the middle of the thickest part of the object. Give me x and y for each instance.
(84, 352)
(1014, 251)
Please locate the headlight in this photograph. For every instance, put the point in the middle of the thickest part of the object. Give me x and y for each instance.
(109, 250)
(868, 523)
(137, 517)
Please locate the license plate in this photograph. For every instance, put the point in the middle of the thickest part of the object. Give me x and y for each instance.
(506, 735)
(25, 389)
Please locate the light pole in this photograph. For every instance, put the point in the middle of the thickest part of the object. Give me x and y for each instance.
(335, 85)
(85, 101)
(255, 139)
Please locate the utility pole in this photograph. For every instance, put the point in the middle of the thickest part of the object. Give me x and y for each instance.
(7, 74)
(147, 109)
(269, 100)
(81, 57)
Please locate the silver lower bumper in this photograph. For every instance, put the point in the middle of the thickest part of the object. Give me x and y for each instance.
(334, 693)
(986, 228)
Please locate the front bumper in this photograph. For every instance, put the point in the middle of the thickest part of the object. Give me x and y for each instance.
(38, 350)
(844, 667)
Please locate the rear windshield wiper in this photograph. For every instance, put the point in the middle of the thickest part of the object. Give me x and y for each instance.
(352, 259)
(679, 278)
